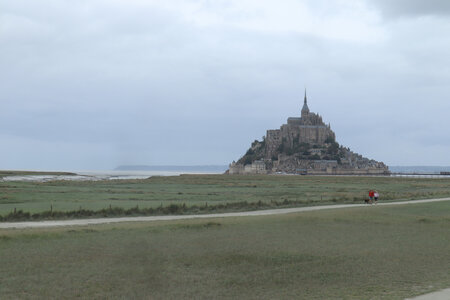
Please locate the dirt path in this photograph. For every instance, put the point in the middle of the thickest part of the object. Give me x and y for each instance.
(439, 295)
(80, 222)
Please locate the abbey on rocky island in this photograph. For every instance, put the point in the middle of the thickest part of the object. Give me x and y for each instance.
(304, 145)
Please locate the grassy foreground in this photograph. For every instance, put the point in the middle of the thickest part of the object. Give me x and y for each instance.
(201, 193)
(371, 252)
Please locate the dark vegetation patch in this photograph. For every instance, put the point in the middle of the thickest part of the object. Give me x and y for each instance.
(84, 230)
(425, 220)
(4, 173)
(198, 226)
(171, 209)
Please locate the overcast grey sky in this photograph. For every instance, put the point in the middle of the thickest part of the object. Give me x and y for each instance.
(89, 85)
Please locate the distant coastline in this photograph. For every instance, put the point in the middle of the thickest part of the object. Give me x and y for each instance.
(223, 168)
(419, 169)
(198, 168)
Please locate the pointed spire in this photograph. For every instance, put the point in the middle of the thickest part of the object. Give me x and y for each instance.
(305, 109)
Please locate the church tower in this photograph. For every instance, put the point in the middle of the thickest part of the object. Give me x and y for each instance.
(305, 109)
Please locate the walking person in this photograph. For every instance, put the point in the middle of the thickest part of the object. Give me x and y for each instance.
(371, 195)
(375, 196)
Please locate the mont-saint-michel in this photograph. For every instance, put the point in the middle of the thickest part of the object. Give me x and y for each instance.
(304, 145)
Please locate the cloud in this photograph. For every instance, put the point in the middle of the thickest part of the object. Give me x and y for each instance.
(412, 8)
(341, 20)
(194, 82)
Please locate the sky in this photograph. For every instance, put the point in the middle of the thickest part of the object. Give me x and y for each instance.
(94, 84)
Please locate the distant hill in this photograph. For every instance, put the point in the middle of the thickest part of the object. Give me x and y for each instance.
(419, 169)
(202, 169)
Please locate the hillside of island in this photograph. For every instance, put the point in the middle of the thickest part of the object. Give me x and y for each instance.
(304, 145)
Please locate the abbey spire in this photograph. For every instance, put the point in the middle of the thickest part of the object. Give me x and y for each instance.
(305, 109)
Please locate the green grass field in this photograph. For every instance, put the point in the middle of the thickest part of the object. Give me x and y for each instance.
(211, 190)
(371, 252)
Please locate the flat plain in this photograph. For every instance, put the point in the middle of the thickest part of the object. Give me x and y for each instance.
(210, 193)
(372, 252)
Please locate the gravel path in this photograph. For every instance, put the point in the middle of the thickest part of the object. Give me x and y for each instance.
(439, 295)
(80, 222)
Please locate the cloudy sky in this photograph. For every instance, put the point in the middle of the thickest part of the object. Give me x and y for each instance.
(93, 84)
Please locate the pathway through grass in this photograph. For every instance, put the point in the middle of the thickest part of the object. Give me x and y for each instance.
(380, 252)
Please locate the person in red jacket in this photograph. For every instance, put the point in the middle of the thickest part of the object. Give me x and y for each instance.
(371, 195)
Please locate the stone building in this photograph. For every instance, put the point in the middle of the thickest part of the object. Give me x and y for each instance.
(305, 145)
(308, 129)
(256, 167)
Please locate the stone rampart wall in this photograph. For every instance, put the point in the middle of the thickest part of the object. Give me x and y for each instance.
(273, 141)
